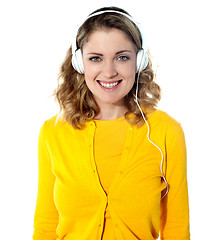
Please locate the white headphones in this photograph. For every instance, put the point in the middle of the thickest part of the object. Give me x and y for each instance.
(142, 57)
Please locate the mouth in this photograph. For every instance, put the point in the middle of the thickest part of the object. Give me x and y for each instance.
(109, 85)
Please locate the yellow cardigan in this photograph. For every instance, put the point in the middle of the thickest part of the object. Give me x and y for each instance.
(71, 202)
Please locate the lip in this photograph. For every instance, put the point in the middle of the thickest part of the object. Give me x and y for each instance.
(109, 82)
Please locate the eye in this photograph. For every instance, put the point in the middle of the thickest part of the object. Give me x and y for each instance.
(95, 59)
(123, 58)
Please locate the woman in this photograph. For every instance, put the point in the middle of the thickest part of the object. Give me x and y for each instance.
(107, 161)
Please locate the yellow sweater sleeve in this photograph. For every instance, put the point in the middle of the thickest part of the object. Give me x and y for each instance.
(175, 207)
(46, 214)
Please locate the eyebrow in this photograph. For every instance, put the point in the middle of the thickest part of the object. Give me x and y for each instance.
(100, 54)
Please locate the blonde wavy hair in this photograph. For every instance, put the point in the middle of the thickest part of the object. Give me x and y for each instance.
(76, 102)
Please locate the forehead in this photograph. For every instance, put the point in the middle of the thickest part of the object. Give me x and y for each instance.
(108, 39)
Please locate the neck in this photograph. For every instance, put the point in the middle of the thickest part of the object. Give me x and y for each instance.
(110, 113)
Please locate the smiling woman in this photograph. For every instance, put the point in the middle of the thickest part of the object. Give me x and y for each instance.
(111, 166)
(75, 98)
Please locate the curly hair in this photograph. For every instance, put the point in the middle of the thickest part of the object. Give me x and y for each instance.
(76, 102)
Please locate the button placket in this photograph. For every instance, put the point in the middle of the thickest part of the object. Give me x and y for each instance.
(124, 157)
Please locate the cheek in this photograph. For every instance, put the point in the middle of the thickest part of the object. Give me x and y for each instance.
(127, 68)
(90, 71)
(129, 73)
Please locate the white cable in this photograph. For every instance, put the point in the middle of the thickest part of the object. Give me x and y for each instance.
(143, 116)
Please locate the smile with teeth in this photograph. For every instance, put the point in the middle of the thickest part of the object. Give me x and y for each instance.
(109, 85)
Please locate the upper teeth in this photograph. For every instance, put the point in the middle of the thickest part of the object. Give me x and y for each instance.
(109, 85)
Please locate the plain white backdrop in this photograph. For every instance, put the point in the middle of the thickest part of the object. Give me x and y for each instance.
(186, 39)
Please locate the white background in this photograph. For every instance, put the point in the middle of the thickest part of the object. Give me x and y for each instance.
(186, 40)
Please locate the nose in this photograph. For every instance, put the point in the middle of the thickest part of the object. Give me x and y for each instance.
(109, 69)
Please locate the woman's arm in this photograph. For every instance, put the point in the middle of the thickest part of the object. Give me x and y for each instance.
(175, 206)
(46, 214)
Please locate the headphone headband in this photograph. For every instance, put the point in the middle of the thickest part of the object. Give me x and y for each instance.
(75, 47)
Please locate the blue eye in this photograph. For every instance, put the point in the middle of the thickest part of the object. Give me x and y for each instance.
(123, 58)
(95, 59)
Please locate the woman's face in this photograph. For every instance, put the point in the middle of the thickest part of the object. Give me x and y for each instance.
(109, 59)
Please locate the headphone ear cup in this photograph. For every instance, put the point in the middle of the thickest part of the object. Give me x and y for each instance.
(77, 61)
(142, 60)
